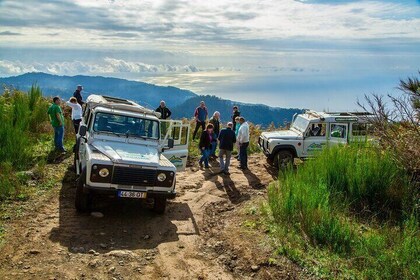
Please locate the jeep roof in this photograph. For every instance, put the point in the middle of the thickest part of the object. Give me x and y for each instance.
(119, 104)
(335, 116)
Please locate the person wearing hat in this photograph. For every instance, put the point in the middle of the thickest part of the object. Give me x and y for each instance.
(78, 95)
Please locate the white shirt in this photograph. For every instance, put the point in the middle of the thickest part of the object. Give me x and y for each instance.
(76, 110)
(243, 133)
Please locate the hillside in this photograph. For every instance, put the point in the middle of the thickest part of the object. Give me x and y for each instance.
(182, 102)
(255, 113)
(64, 86)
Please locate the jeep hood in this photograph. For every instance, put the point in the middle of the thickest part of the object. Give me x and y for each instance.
(282, 134)
(128, 153)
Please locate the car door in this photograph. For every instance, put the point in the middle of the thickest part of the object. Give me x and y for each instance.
(179, 132)
(315, 138)
(338, 133)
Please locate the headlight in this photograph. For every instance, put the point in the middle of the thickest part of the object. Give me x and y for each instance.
(161, 177)
(104, 172)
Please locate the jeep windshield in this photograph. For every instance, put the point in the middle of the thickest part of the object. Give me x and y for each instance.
(300, 124)
(126, 125)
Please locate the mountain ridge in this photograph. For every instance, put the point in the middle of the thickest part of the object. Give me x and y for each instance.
(182, 102)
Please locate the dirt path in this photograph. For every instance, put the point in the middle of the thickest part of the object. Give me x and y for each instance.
(199, 237)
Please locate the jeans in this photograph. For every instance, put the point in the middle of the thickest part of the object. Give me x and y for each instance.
(243, 154)
(213, 148)
(205, 157)
(199, 124)
(224, 166)
(58, 137)
(76, 124)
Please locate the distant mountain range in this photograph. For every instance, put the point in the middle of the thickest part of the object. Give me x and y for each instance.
(181, 102)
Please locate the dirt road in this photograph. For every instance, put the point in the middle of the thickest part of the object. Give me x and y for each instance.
(200, 237)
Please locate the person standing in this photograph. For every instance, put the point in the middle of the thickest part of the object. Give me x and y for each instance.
(205, 145)
(57, 121)
(215, 121)
(76, 113)
(200, 115)
(227, 138)
(78, 95)
(243, 139)
(164, 111)
(238, 125)
(235, 115)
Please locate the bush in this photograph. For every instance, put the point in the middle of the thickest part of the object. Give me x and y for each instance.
(21, 114)
(332, 200)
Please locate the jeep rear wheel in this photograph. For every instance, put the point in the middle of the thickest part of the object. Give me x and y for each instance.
(159, 205)
(83, 201)
(283, 160)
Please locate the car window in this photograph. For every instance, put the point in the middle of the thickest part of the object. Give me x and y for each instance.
(126, 125)
(316, 130)
(361, 129)
(338, 130)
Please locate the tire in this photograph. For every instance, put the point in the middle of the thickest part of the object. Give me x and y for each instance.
(83, 201)
(159, 205)
(284, 160)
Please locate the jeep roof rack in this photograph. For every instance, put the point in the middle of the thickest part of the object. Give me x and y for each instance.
(349, 113)
(119, 104)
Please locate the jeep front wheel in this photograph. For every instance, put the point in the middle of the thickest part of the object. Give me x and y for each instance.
(83, 200)
(284, 159)
(159, 205)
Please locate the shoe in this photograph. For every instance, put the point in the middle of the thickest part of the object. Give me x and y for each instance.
(200, 164)
(207, 167)
(243, 168)
(226, 173)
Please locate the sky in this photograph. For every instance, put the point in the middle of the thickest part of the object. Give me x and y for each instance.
(318, 54)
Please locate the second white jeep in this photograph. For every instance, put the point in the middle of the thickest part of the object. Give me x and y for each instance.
(310, 132)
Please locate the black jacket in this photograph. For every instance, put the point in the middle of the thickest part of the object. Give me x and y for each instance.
(216, 125)
(164, 112)
(227, 138)
(204, 140)
(78, 96)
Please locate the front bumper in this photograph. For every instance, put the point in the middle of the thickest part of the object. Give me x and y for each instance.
(114, 192)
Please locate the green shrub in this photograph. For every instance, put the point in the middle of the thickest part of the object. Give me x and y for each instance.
(353, 201)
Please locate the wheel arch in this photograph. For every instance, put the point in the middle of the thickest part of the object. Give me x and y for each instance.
(286, 147)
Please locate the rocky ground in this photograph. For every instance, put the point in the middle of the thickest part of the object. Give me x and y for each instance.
(201, 235)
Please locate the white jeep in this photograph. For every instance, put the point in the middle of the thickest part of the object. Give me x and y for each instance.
(126, 151)
(310, 132)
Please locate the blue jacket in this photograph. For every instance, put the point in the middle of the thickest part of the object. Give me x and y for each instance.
(227, 138)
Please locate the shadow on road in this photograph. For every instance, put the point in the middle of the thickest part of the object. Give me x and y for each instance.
(126, 224)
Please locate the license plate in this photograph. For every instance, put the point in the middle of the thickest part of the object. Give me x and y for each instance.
(129, 194)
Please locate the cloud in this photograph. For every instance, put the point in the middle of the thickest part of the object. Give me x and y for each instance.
(108, 65)
(201, 25)
(9, 33)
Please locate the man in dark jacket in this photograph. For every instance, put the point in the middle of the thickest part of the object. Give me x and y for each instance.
(235, 114)
(205, 145)
(78, 95)
(164, 111)
(200, 115)
(227, 138)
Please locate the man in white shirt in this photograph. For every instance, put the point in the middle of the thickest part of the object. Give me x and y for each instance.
(243, 140)
(76, 113)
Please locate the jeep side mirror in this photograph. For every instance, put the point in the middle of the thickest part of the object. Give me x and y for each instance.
(82, 130)
(170, 143)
